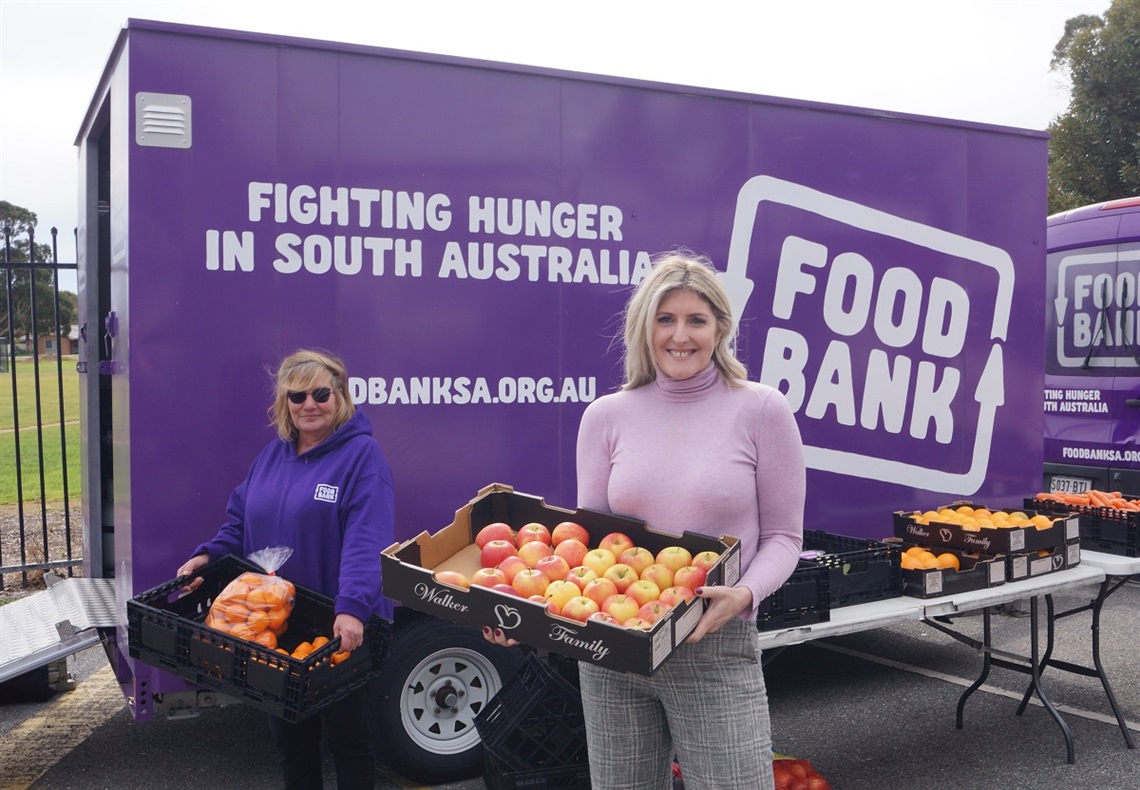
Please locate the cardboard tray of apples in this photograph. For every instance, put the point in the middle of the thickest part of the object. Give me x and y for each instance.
(580, 583)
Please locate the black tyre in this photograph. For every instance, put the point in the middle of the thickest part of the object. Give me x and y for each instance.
(437, 679)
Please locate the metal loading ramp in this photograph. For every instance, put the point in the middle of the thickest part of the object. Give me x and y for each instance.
(53, 624)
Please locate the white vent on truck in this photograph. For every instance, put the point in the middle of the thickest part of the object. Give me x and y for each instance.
(162, 120)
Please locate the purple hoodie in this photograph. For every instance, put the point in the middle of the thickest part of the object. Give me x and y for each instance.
(333, 506)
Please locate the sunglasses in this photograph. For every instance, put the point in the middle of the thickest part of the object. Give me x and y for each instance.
(320, 395)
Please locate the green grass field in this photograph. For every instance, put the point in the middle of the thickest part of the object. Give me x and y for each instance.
(29, 439)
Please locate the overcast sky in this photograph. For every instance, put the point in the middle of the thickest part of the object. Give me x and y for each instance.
(977, 60)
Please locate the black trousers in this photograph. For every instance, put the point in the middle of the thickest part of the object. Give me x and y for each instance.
(350, 741)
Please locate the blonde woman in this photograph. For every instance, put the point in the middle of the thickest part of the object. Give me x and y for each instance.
(689, 443)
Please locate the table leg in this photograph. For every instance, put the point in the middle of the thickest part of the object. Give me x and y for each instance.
(1035, 673)
(986, 660)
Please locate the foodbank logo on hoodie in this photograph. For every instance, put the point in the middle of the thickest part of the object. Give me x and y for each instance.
(326, 493)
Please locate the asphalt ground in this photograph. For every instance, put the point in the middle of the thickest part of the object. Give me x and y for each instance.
(870, 710)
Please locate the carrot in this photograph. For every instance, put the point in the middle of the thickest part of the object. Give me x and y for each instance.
(1077, 499)
(1097, 498)
(1049, 497)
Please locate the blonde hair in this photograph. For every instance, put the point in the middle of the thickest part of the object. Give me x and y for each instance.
(672, 271)
(299, 372)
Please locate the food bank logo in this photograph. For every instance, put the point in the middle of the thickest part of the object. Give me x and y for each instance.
(1096, 309)
(866, 325)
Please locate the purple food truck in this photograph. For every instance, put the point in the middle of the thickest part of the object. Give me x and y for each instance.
(464, 234)
(1092, 351)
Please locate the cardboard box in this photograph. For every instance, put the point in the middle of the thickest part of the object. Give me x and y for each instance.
(986, 541)
(974, 573)
(1024, 565)
(408, 579)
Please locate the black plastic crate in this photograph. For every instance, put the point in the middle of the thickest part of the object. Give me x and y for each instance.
(860, 570)
(802, 600)
(165, 629)
(497, 776)
(1104, 529)
(535, 722)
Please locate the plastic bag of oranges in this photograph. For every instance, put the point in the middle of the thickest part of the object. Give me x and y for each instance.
(256, 606)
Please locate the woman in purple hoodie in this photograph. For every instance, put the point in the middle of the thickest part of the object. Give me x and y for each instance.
(324, 489)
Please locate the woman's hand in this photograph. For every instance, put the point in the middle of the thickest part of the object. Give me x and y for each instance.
(496, 637)
(191, 565)
(350, 630)
(725, 603)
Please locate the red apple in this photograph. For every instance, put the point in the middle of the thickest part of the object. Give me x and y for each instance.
(652, 611)
(572, 550)
(579, 608)
(675, 595)
(533, 551)
(454, 578)
(489, 577)
(568, 530)
(620, 607)
(598, 560)
(511, 566)
(599, 589)
(553, 566)
(505, 588)
(528, 582)
(581, 576)
(637, 557)
(637, 622)
(495, 551)
(643, 591)
(616, 542)
(690, 576)
(659, 574)
(621, 575)
(705, 559)
(530, 532)
(674, 557)
(496, 531)
(604, 617)
(560, 591)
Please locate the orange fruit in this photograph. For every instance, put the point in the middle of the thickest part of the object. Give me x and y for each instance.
(302, 650)
(909, 563)
(277, 616)
(234, 612)
(340, 656)
(258, 620)
(948, 560)
(252, 579)
(260, 599)
(243, 631)
(319, 642)
(266, 639)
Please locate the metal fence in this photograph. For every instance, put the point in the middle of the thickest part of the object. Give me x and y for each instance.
(36, 529)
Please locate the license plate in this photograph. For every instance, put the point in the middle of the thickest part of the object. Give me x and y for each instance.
(1059, 484)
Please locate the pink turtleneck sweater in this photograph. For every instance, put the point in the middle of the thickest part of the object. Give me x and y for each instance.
(698, 455)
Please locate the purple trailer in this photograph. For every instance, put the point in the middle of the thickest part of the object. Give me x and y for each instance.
(465, 235)
(1092, 349)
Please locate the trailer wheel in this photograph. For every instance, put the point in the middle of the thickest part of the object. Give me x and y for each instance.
(437, 679)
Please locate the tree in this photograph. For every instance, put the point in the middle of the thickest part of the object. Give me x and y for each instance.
(26, 286)
(1095, 151)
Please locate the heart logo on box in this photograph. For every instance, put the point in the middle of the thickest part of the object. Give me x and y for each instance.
(945, 534)
(508, 616)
